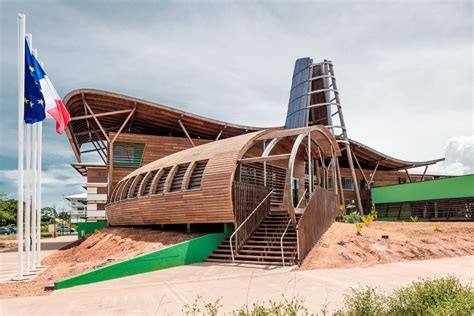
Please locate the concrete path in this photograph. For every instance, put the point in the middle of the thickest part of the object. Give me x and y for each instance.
(164, 292)
(9, 256)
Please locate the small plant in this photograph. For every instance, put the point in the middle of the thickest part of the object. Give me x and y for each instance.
(437, 227)
(209, 309)
(353, 217)
(374, 212)
(358, 227)
(364, 301)
(294, 306)
(342, 212)
(367, 219)
(414, 219)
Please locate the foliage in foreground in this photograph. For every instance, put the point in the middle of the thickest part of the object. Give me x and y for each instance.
(443, 296)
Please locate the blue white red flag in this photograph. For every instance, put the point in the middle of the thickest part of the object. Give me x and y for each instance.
(41, 98)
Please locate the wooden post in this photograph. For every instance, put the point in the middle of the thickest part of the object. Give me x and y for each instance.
(408, 175)
(339, 179)
(424, 173)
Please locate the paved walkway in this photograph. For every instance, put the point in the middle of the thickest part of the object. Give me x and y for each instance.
(9, 257)
(164, 292)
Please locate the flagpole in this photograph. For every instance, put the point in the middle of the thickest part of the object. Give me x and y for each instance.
(28, 189)
(34, 149)
(34, 183)
(38, 218)
(21, 126)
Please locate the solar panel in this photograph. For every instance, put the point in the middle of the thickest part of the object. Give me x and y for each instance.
(296, 115)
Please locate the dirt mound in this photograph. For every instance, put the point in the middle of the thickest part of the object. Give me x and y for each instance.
(340, 247)
(109, 245)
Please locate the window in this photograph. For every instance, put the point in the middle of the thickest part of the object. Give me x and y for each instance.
(347, 184)
(161, 182)
(178, 179)
(137, 183)
(149, 181)
(128, 154)
(196, 176)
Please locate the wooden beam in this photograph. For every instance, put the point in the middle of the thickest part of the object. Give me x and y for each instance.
(360, 169)
(124, 123)
(424, 173)
(220, 133)
(408, 175)
(373, 174)
(83, 117)
(186, 132)
(95, 118)
(265, 158)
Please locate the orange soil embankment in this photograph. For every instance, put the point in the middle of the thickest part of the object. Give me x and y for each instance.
(340, 247)
(109, 245)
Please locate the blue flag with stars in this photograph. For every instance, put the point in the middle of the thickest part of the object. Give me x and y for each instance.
(34, 99)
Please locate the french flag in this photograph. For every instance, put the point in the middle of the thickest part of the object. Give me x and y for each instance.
(53, 105)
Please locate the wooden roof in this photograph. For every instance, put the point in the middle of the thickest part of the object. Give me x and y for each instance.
(369, 157)
(112, 110)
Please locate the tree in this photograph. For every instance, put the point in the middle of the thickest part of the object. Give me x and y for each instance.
(48, 215)
(8, 209)
(66, 217)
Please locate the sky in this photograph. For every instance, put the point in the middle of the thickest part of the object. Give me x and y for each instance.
(404, 69)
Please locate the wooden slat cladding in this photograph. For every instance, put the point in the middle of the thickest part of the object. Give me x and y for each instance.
(97, 175)
(318, 217)
(211, 203)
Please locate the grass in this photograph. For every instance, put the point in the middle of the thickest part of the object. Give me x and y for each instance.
(436, 297)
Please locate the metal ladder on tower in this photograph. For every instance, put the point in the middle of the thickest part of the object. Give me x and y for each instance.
(333, 103)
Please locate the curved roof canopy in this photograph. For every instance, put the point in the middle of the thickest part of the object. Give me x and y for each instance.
(95, 113)
(89, 108)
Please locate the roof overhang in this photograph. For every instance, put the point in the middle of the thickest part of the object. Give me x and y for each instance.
(370, 157)
(95, 113)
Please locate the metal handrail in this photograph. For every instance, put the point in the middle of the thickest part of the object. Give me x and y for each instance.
(256, 208)
(286, 229)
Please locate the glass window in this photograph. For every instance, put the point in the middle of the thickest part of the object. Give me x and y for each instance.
(128, 154)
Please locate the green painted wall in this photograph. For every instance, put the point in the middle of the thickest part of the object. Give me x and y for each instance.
(89, 227)
(455, 187)
(191, 251)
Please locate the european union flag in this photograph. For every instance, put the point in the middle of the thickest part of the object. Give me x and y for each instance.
(34, 99)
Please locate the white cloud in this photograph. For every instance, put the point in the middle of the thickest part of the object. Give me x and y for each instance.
(459, 153)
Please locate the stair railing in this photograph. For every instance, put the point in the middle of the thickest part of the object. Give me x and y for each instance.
(242, 225)
(286, 229)
(318, 216)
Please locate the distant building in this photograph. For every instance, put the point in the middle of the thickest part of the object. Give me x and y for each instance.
(77, 207)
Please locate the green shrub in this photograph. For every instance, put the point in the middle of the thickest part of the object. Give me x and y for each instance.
(366, 301)
(444, 296)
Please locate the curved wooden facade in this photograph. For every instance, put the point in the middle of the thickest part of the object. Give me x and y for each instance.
(195, 185)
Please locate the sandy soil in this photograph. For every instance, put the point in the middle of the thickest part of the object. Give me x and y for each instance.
(340, 247)
(102, 248)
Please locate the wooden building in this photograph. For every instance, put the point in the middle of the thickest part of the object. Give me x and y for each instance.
(160, 165)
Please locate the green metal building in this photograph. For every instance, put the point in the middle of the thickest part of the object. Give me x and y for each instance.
(442, 199)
